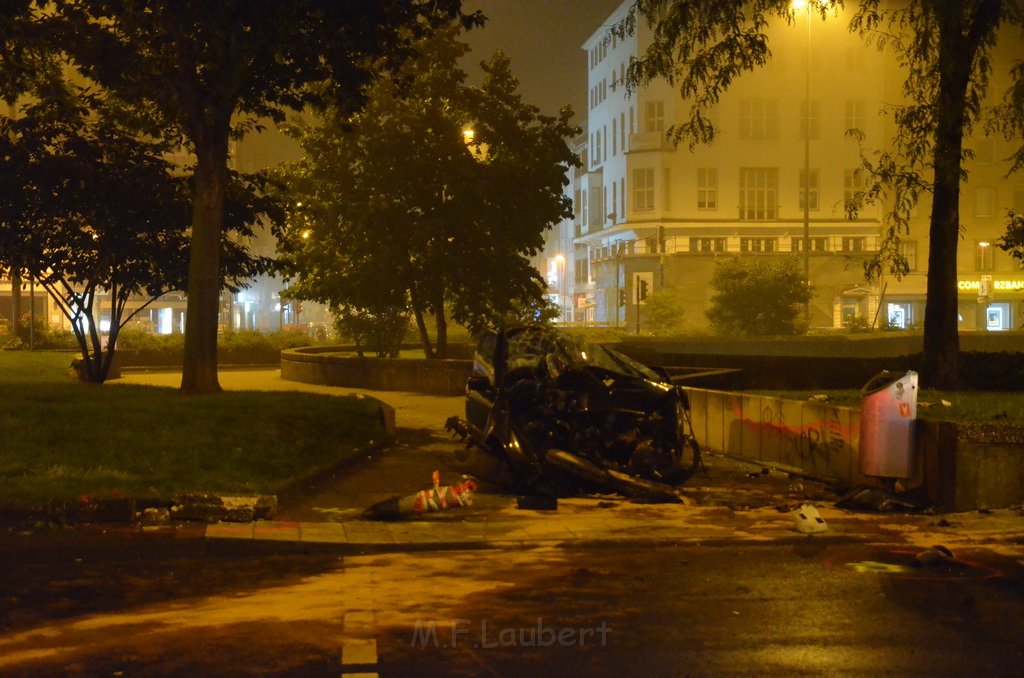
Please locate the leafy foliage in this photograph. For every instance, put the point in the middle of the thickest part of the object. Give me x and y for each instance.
(396, 208)
(663, 312)
(88, 207)
(758, 297)
(381, 332)
(1012, 241)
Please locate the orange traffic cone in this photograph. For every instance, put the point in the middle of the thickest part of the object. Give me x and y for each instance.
(437, 498)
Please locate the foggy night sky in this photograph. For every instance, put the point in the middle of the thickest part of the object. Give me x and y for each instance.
(543, 39)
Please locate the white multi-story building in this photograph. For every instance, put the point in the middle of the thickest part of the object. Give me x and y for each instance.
(653, 216)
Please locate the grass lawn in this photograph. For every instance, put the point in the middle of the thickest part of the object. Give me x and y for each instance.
(964, 406)
(61, 439)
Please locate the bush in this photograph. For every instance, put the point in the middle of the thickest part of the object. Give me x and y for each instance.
(757, 298)
(382, 333)
(42, 336)
(663, 313)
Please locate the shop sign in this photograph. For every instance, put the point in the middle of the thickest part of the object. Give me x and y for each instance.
(994, 286)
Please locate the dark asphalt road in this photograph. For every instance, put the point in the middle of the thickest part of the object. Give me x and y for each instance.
(123, 604)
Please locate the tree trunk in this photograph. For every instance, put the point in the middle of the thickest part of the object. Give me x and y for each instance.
(442, 331)
(957, 52)
(421, 325)
(16, 302)
(199, 372)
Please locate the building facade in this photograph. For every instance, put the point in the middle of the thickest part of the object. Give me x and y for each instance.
(653, 216)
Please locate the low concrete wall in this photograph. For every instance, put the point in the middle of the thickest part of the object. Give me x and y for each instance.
(964, 467)
(323, 365)
(954, 467)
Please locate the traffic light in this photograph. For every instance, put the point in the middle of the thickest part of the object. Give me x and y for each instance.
(642, 294)
(622, 297)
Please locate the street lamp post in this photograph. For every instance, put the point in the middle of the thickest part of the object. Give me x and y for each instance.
(806, 6)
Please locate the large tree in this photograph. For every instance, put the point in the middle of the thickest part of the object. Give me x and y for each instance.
(90, 211)
(432, 196)
(213, 68)
(944, 48)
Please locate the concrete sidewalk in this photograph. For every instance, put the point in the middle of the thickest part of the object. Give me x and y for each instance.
(734, 500)
(585, 520)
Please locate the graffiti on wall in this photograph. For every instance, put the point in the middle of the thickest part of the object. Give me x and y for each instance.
(813, 436)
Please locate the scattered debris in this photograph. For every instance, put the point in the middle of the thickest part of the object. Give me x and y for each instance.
(533, 503)
(864, 498)
(808, 520)
(154, 516)
(208, 507)
(820, 398)
(933, 557)
(437, 498)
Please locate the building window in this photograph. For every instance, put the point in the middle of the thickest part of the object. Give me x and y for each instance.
(853, 244)
(615, 136)
(812, 187)
(654, 116)
(666, 189)
(984, 150)
(758, 245)
(707, 188)
(759, 119)
(853, 185)
(855, 57)
(582, 265)
(643, 189)
(854, 117)
(809, 119)
(622, 131)
(984, 202)
(817, 244)
(707, 245)
(908, 250)
(759, 192)
(984, 257)
(622, 194)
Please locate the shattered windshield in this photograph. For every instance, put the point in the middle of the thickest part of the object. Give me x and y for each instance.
(530, 346)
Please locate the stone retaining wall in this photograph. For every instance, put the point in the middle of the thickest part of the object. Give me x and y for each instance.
(323, 365)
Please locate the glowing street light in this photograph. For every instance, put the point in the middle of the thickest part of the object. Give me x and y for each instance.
(477, 149)
(560, 260)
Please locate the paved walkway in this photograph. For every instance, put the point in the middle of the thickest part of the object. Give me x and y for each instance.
(733, 501)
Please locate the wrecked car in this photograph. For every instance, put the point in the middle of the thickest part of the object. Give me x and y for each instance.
(549, 413)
